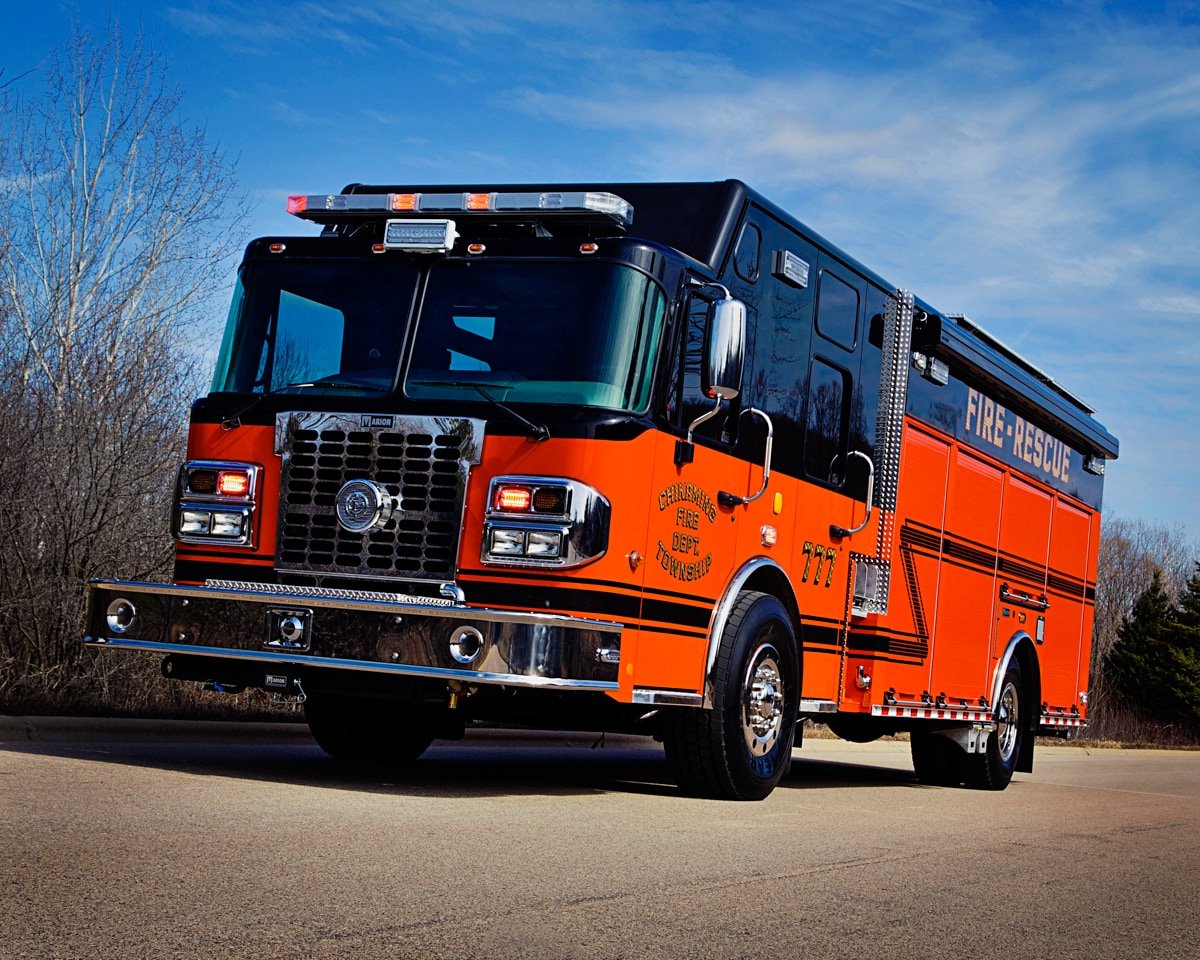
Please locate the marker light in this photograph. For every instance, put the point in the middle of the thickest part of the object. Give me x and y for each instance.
(514, 499)
(297, 205)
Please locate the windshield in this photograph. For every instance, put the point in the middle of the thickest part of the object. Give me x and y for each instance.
(566, 332)
(556, 332)
(316, 325)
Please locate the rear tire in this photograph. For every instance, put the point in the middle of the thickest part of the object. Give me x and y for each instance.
(993, 768)
(363, 730)
(742, 748)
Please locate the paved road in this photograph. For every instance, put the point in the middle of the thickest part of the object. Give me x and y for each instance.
(546, 847)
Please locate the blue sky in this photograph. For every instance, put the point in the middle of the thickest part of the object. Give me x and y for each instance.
(1033, 165)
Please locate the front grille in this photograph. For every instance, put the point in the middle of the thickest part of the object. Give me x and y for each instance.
(422, 460)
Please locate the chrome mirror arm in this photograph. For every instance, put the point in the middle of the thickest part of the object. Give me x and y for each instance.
(703, 418)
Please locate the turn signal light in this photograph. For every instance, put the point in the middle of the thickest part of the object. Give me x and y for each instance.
(550, 500)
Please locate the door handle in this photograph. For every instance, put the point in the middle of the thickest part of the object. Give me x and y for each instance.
(839, 532)
(732, 500)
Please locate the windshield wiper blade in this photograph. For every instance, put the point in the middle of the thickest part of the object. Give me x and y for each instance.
(537, 432)
(462, 383)
(336, 385)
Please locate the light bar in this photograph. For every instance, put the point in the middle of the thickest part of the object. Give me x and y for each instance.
(335, 208)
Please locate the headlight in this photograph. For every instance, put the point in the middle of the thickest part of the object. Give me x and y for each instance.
(544, 543)
(544, 521)
(506, 542)
(228, 524)
(195, 522)
(215, 501)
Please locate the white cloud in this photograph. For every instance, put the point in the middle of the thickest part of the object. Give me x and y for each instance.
(1182, 303)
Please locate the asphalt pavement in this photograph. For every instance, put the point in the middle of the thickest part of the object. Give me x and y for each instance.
(133, 839)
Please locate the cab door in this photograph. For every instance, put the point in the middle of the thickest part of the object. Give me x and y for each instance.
(691, 539)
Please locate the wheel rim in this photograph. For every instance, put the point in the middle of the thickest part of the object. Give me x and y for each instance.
(1007, 722)
(762, 700)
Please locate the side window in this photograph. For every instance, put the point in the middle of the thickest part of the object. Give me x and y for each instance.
(825, 422)
(837, 311)
(748, 253)
(308, 341)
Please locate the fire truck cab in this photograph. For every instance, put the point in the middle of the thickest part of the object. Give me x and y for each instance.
(639, 457)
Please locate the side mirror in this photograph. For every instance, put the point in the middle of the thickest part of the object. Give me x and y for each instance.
(724, 349)
(721, 373)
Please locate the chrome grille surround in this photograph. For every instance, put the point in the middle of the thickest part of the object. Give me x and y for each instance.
(422, 461)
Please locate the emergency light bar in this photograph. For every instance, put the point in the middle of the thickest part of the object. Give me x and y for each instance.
(341, 207)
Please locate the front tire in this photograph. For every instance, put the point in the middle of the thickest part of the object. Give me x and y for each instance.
(742, 747)
(363, 730)
(936, 759)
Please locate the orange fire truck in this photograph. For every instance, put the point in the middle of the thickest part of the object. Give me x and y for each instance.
(638, 457)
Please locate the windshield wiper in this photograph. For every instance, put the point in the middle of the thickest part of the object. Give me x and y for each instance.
(336, 385)
(537, 432)
(234, 420)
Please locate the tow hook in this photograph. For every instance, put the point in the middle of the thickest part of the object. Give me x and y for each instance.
(458, 691)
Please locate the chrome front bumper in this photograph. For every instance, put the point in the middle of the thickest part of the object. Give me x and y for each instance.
(356, 630)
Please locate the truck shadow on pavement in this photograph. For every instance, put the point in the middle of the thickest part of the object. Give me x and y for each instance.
(549, 767)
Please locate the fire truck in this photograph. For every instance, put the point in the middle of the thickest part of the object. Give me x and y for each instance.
(624, 457)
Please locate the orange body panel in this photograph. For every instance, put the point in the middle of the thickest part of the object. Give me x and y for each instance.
(965, 525)
(246, 444)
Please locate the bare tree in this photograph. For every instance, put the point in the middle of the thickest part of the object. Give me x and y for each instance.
(115, 221)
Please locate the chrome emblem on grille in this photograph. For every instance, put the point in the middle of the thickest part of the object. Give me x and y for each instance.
(363, 505)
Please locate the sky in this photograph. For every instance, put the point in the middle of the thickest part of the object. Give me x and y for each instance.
(1035, 166)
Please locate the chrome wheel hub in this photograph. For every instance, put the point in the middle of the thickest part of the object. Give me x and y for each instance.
(762, 701)
(1007, 720)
